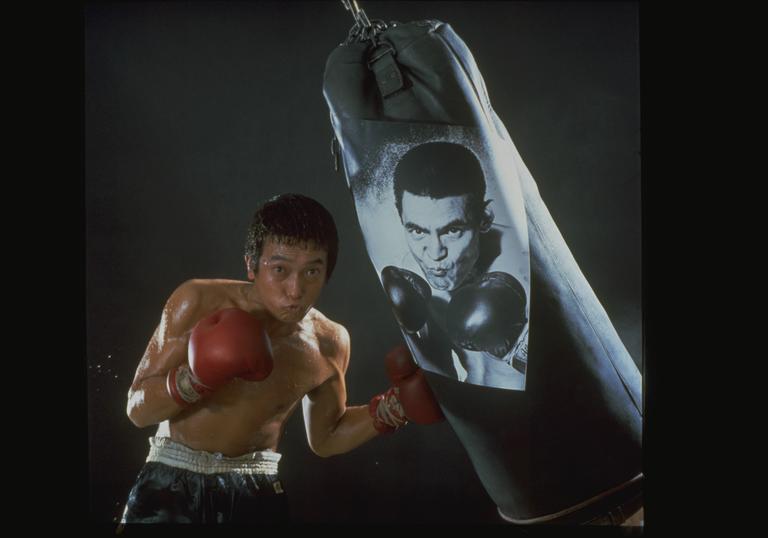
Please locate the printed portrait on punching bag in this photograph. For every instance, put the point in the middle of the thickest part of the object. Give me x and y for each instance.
(451, 251)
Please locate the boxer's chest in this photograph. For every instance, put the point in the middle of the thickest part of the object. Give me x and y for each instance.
(299, 367)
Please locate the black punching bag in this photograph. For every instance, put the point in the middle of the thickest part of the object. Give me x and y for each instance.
(525, 363)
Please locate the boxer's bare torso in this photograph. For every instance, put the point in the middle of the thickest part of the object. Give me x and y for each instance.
(246, 416)
(310, 353)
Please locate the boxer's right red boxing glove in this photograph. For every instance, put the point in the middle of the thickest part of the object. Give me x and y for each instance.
(227, 344)
(410, 397)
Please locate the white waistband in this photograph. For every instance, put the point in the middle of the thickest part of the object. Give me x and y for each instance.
(164, 450)
(566, 511)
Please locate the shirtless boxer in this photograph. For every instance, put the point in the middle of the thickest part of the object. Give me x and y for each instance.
(229, 363)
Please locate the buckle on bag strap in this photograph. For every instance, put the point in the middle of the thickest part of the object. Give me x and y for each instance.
(382, 62)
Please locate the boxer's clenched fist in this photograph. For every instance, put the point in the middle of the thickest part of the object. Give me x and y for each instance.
(227, 344)
(409, 398)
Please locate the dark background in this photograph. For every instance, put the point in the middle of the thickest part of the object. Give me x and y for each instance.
(196, 112)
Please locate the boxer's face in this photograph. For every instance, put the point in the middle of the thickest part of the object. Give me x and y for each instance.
(442, 236)
(289, 278)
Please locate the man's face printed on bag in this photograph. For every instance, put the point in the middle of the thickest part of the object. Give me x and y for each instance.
(443, 237)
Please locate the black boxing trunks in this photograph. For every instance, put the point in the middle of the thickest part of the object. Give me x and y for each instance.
(181, 485)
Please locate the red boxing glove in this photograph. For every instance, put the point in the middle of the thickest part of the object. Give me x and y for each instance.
(410, 397)
(227, 344)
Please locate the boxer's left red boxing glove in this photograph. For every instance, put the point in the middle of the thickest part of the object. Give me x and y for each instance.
(227, 344)
(410, 397)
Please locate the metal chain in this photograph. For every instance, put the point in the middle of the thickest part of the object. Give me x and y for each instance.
(364, 29)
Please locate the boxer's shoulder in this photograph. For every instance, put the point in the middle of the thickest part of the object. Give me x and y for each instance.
(204, 288)
(197, 297)
(183, 305)
(211, 286)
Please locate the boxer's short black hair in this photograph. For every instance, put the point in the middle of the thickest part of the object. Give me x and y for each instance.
(438, 170)
(293, 219)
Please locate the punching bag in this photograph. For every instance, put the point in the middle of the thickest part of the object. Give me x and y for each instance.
(523, 359)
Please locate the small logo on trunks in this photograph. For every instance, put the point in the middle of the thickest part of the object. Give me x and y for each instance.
(278, 487)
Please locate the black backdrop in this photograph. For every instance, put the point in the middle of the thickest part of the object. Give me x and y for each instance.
(195, 112)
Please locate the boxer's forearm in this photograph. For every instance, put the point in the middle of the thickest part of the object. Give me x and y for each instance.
(354, 428)
(150, 403)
